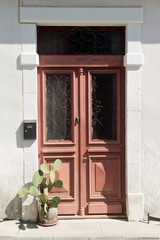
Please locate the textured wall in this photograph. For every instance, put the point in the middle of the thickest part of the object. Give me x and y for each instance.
(11, 111)
(18, 102)
(151, 109)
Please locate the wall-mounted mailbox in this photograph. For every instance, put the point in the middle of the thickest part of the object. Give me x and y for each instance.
(29, 130)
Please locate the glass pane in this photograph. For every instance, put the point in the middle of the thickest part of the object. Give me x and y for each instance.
(58, 106)
(109, 42)
(104, 107)
(81, 40)
(51, 42)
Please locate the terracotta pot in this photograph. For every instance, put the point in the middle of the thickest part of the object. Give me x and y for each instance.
(51, 218)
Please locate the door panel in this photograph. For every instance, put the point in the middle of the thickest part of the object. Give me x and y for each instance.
(59, 107)
(104, 148)
(104, 107)
(68, 192)
(81, 121)
(104, 185)
(58, 133)
(66, 173)
(104, 176)
(102, 208)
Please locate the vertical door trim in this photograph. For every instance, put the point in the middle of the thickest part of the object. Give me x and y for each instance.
(82, 140)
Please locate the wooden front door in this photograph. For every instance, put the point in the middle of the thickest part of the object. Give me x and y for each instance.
(81, 121)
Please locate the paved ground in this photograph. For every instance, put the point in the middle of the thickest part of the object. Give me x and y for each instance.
(86, 229)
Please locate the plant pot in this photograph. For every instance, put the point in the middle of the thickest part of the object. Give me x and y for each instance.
(51, 218)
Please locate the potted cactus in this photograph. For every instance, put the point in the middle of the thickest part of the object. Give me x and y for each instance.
(47, 208)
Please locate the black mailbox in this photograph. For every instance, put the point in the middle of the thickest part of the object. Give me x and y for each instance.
(29, 130)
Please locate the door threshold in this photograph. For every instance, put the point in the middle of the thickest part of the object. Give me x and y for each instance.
(93, 217)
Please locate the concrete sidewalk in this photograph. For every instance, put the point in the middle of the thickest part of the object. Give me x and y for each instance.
(86, 229)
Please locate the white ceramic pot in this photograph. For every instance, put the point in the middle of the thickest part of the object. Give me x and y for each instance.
(51, 218)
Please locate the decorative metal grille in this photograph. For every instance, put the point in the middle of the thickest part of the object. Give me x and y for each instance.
(81, 40)
(104, 107)
(58, 106)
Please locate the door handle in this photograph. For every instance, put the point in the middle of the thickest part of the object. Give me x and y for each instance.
(84, 160)
(77, 120)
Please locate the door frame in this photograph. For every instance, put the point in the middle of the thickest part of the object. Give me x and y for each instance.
(111, 63)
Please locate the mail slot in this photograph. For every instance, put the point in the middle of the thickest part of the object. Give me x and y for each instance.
(29, 130)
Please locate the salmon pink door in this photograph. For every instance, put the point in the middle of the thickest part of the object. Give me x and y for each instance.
(81, 121)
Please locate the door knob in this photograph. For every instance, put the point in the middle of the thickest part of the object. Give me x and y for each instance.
(84, 159)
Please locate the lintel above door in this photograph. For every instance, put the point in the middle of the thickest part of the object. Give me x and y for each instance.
(81, 61)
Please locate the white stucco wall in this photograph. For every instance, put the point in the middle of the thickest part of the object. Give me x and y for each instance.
(19, 158)
(11, 110)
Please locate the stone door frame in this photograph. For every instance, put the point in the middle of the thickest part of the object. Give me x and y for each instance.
(132, 19)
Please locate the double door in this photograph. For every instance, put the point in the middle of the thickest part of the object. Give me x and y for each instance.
(81, 122)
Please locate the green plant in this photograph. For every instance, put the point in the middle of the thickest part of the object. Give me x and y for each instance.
(40, 184)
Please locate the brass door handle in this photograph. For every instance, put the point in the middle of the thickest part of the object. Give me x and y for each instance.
(84, 159)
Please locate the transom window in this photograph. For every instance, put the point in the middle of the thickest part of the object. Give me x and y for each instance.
(81, 40)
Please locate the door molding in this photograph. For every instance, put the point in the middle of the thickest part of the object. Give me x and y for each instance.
(79, 61)
(132, 18)
(78, 16)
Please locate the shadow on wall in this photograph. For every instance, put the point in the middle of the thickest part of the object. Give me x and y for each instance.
(19, 67)
(21, 143)
(30, 206)
(14, 209)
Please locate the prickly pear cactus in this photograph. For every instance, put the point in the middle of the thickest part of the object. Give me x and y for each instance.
(39, 182)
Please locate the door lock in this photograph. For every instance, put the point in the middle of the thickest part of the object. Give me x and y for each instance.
(84, 159)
